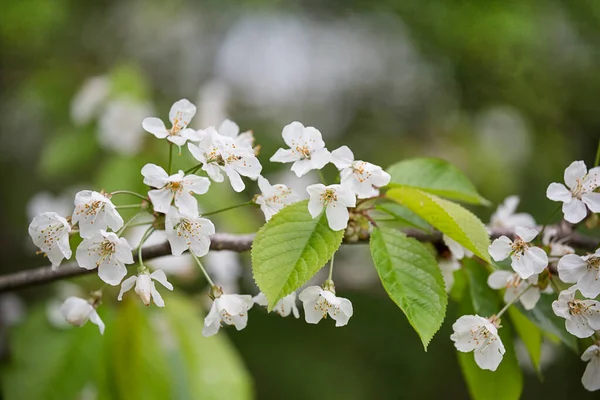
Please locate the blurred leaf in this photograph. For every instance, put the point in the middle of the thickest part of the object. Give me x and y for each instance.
(446, 216)
(51, 363)
(404, 216)
(122, 173)
(530, 334)
(506, 383)
(290, 248)
(412, 279)
(135, 364)
(128, 81)
(207, 368)
(485, 300)
(543, 316)
(65, 152)
(435, 176)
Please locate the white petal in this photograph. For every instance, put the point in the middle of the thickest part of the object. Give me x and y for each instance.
(574, 211)
(578, 326)
(156, 297)
(592, 200)
(123, 251)
(126, 286)
(95, 318)
(342, 157)
(527, 234)
(558, 192)
(591, 375)
(85, 256)
(161, 199)
(212, 322)
(498, 279)
(177, 140)
(592, 313)
(589, 283)
(590, 352)
(455, 248)
(337, 216)
(235, 179)
(214, 172)
(490, 357)
(284, 156)
(154, 176)
(112, 217)
(345, 312)
(160, 276)
(530, 298)
(345, 196)
(186, 203)
(571, 268)
(301, 167)
(320, 158)
(536, 258)
(261, 299)
(181, 113)
(112, 273)
(522, 266)
(293, 132)
(576, 171)
(156, 127)
(312, 315)
(229, 128)
(197, 153)
(500, 248)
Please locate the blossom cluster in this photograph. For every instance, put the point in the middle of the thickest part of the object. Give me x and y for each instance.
(172, 201)
(530, 277)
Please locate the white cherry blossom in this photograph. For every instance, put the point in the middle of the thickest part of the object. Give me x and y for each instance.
(457, 250)
(479, 335)
(219, 153)
(582, 316)
(94, 212)
(582, 270)
(180, 115)
(274, 197)
(335, 199)
(284, 307)
(362, 177)
(591, 376)
(119, 125)
(527, 260)
(230, 309)
(231, 129)
(188, 232)
(179, 186)
(557, 246)
(318, 302)
(107, 252)
(50, 232)
(578, 193)
(506, 217)
(307, 149)
(78, 311)
(448, 266)
(145, 288)
(514, 286)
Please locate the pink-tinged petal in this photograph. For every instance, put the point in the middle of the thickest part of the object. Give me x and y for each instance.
(500, 248)
(498, 279)
(527, 234)
(155, 176)
(160, 277)
(156, 127)
(558, 192)
(574, 211)
(342, 157)
(161, 199)
(293, 134)
(592, 200)
(574, 172)
(337, 216)
(284, 156)
(126, 286)
(181, 113)
(571, 268)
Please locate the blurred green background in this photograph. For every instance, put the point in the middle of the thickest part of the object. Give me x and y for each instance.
(506, 90)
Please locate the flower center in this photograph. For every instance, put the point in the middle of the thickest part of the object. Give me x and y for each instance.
(514, 281)
(106, 249)
(188, 230)
(482, 337)
(519, 247)
(52, 234)
(176, 186)
(322, 306)
(359, 168)
(577, 307)
(91, 209)
(593, 263)
(328, 196)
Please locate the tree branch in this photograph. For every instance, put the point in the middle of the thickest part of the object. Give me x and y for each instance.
(241, 243)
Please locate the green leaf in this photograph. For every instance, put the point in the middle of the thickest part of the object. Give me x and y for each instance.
(203, 368)
(67, 151)
(530, 334)
(289, 249)
(543, 316)
(435, 176)
(448, 217)
(486, 301)
(411, 277)
(404, 216)
(506, 383)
